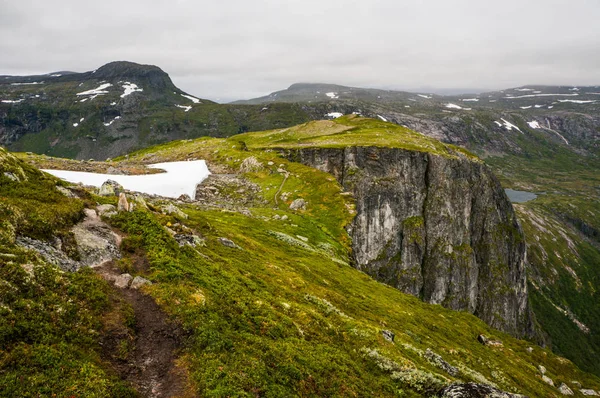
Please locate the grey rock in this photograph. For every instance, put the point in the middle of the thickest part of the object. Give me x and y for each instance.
(110, 188)
(436, 227)
(588, 392)
(184, 198)
(529, 349)
(11, 176)
(474, 390)
(96, 241)
(548, 380)
(388, 335)
(564, 389)
(104, 209)
(68, 193)
(542, 369)
(298, 204)
(228, 243)
(122, 205)
(49, 253)
(250, 164)
(174, 210)
(438, 361)
(138, 282)
(122, 281)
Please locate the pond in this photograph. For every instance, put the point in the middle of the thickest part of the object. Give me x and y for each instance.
(179, 178)
(519, 196)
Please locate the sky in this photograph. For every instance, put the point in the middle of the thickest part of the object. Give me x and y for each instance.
(238, 49)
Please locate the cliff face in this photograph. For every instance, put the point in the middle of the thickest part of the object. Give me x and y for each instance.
(438, 228)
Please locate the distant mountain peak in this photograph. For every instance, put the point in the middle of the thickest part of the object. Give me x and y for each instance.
(125, 70)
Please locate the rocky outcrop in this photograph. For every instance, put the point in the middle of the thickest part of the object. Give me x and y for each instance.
(437, 227)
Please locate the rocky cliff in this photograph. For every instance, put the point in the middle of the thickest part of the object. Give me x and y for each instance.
(436, 227)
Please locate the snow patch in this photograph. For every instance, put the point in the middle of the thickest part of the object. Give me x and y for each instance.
(454, 106)
(509, 126)
(332, 95)
(113, 103)
(382, 118)
(130, 88)
(193, 99)
(525, 107)
(112, 121)
(100, 90)
(541, 95)
(470, 100)
(75, 124)
(523, 89)
(12, 102)
(534, 125)
(578, 101)
(335, 115)
(424, 96)
(538, 106)
(179, 178)
(187, 108)
(25, 84)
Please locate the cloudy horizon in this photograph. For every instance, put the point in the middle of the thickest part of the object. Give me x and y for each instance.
(238, 50)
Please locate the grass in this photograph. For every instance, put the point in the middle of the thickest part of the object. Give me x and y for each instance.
(51, 320)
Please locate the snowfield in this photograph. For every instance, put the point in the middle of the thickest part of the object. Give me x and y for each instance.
(179, 178)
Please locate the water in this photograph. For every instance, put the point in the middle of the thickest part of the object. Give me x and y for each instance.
(519, 196)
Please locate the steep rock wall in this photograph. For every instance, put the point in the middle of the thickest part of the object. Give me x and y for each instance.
(439, 228)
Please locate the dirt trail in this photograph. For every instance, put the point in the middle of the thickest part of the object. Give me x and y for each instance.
(147, 357)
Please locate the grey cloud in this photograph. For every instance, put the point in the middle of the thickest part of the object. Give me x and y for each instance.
(237, 49)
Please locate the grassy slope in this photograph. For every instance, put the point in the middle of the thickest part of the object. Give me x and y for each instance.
(285, 316)
(564, 262)
(49, 320)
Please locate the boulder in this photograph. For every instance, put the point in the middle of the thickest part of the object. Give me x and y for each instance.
(250, 164)
(548, 380)
(174, 210)
(110, 188)
(122, 205)
(106, 210)
(388, 335)
(588, 392)
(138, 282)
(228, 243)
(564, 389)
(122, 281)
(542, 369)
(298, 204)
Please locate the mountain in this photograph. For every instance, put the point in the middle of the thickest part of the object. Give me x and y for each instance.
(494, 122)
(119, 107)
(252, 287)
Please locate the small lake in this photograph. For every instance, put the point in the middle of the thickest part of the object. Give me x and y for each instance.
(179, 178)
(519, 196)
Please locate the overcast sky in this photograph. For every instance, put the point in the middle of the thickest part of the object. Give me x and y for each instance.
(234, 49)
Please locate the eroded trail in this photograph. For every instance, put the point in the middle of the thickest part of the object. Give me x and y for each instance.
(143, 344)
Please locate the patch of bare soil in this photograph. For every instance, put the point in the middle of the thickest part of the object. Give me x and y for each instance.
(142, 344)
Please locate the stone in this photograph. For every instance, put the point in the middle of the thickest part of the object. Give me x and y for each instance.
(228, 243)
(105, 209)
(90, 213)
(482, 339)
(542, 369)
(298, 204)
(388, 335)
(284, 217)
(548, 380)
(173, 210)
(250, 164)
(564, 389)
(588, 392)
(485, 341)
(122, 205)
(529, 349)
(122, 281)
(110, 188)
(11, 176)
(65, 191)
(138, 282)
(184, 198)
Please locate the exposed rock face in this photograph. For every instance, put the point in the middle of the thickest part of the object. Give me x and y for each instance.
(438, 228)
(473, 390)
